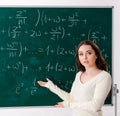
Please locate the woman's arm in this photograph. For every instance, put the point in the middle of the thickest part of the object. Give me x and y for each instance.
(52, 87)
(67, 97)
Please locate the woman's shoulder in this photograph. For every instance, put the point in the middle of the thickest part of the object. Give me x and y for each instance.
(106, 74)
(78, 73)
(77, 76)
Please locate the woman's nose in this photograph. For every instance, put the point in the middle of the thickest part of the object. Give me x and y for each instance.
(85, 56)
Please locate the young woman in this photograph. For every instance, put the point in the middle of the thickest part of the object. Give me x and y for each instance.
(91, 85)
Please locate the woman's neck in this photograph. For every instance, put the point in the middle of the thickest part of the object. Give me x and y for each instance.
(91, 70)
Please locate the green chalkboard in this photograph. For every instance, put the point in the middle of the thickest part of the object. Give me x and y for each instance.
(36, 43)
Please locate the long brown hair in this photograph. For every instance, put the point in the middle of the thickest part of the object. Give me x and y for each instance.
(100, 61)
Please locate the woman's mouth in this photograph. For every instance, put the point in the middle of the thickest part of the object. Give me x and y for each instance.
(86, 62)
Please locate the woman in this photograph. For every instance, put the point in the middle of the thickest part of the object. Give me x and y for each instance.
(91, 85)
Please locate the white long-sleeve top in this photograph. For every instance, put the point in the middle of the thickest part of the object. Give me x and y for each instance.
(86, 99)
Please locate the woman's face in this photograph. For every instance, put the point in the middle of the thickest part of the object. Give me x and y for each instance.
(87, 56)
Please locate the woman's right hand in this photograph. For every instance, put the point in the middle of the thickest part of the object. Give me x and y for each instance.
(42, 83)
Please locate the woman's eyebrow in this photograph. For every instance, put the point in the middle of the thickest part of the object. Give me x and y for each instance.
(85, 51)
(89, 51)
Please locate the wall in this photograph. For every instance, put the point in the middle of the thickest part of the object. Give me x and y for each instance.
(116, 47)
(51, 111)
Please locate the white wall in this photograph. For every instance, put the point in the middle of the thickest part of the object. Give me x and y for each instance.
(116, 47)
(51, 111)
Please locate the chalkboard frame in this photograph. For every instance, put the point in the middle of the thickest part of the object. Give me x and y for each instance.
(36, 24)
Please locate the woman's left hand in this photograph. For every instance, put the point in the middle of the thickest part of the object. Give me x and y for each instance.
(59, 105)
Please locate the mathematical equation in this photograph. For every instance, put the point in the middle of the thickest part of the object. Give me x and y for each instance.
(56, 67)
(15, 49)
(54, 33)
(33, 89)
(43, 18)
(58, 31)
(44, 41)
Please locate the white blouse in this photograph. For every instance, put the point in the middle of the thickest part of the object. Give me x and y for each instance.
(85, 99)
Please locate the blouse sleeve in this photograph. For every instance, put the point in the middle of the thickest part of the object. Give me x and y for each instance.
(101, 92)
(61, 93)
(67, 97)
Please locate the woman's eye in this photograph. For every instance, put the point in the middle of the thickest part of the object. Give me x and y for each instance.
(80, 54)
(89, 53)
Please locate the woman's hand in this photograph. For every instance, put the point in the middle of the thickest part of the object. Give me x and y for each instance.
(42, 83)
(59, 105)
